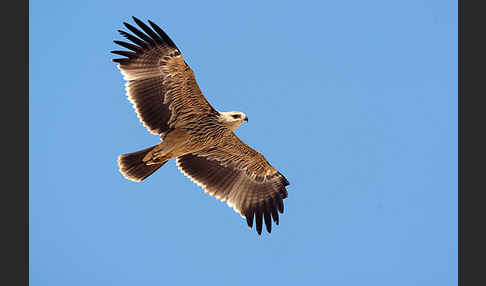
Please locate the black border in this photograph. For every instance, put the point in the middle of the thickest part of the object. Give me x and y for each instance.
(15, 143)
(471, 115)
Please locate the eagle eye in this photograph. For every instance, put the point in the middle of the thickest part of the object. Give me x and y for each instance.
(236, 116)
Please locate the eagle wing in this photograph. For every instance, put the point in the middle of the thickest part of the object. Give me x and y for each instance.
(160, 85)
(235, 173)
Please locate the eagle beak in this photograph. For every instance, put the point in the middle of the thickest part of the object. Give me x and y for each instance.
(246, 118)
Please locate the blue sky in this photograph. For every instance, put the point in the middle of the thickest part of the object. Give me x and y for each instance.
(355, 102)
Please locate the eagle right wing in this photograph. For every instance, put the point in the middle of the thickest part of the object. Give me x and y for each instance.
(235, 173)
(161, 86)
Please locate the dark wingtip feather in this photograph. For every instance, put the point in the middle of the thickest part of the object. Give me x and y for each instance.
(141, 35)
(273, 208)
(280, 205)
(162, 34)
(268, 220)
(147, 30)
(249, 218)
(134, 39)
(129, 46)
(259, 220)
(122, 61)
(141, 41)
(129, 55)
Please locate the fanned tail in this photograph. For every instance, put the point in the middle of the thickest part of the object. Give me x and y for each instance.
(134, 168)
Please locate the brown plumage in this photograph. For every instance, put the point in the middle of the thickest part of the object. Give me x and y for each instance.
(168, 101)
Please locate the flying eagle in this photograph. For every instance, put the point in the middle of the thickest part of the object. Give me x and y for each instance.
(169, 103)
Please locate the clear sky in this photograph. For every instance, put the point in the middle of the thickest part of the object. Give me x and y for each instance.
(355, 102)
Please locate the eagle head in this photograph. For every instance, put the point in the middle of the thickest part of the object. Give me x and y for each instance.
(233, 119)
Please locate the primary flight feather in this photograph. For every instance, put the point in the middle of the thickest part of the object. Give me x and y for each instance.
(169, 103)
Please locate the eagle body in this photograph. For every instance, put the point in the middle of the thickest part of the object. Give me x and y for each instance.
(169, 103)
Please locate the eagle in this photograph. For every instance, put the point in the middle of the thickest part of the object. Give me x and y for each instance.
(166, 97)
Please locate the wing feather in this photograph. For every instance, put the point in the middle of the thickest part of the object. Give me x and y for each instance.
(129, 46)
(240, 176)
(160, 85)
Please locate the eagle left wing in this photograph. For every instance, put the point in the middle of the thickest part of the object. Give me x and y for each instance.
(160, 85)
(235, 173)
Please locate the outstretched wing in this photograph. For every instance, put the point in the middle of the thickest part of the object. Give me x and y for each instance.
(161, 86)
(235, 173)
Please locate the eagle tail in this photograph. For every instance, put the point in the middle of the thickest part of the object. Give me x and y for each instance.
(134, 168)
